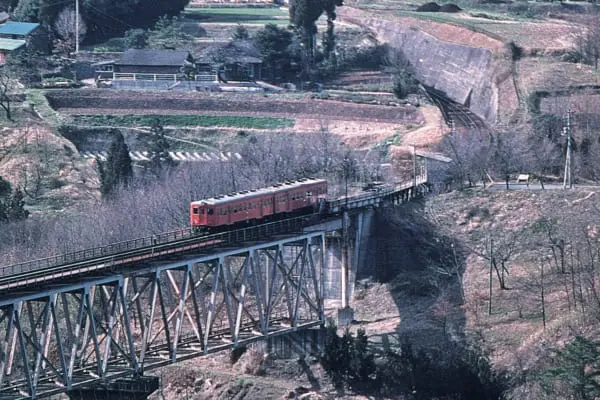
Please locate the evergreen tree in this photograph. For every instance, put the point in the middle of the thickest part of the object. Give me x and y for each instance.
(240, 33)
(304, 15)
(167, 34)
(159, 149)
(274, 45)
(118, 169)
(5, 188)
(15, 209)
(361, 364)
(12, 206)
(136, 39)
(578, 366)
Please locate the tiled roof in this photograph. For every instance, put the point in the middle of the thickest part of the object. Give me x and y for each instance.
(11, 44)
(160, 58)
(17, 28)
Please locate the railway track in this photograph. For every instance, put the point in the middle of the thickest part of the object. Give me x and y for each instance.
(454, 113)
(119, 255)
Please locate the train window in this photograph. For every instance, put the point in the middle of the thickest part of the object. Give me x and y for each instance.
(308, 194)
(195, 210)
(210, 211)
(202, 211)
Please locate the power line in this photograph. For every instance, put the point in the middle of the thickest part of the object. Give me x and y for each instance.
(110, 16)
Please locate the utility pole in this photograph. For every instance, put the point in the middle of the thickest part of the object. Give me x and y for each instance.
(567, 132)
(76, 26)
(414, 161)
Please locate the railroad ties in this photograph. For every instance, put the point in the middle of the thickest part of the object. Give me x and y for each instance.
(175, 156)
(454, 113)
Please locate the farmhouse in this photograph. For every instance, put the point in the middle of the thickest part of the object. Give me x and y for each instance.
(237, 61)
(153, 62)
(13, 35)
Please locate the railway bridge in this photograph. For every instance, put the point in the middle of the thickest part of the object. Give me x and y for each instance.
(92, 324)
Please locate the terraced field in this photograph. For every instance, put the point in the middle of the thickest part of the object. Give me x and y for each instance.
(102, 102)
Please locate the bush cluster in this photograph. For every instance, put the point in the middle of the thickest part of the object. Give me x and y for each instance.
(447, 371)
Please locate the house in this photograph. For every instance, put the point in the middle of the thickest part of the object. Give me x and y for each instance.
(237, 61)
(148, 64)
(17, 30)
(13, 36)
(7, 46)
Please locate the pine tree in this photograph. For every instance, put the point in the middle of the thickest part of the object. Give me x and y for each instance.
(5, 188)
(15, 209)
(159, 149)
(578, 366)
(118, 169)
(361, 360)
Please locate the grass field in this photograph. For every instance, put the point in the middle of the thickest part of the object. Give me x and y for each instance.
(131, 120)
(238, 15)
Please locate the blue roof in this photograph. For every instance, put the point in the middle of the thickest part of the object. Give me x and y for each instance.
(17, 28)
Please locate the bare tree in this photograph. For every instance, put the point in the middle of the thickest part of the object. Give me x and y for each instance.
(470, 151)
(6, 84)
(508, 154)
(65, 28)
(588, 43)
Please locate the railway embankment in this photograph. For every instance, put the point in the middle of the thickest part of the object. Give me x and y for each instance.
(471, 68)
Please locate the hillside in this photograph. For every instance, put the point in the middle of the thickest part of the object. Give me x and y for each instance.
(543, 236)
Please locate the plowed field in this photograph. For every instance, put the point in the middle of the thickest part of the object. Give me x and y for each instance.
(122, 102)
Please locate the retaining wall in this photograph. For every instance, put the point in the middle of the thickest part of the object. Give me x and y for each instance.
(467, 74)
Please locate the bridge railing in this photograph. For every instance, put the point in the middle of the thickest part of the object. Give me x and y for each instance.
(379, 194)
(115, 253)
(229, 237)
(95, 252)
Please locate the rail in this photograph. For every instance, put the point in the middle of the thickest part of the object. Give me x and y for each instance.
(103, 257)
(120, 254)
(379, 194)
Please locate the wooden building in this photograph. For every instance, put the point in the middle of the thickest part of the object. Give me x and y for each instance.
(146, 64)
(13, 36)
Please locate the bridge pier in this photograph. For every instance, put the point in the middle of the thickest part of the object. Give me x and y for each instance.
(121, 389)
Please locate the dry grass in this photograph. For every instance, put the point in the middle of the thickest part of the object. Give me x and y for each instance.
(65, 178)
(514, 331)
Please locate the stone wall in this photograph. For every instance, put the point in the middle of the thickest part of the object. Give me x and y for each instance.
(467, 74)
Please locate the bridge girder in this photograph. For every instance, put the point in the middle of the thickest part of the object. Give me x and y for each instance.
(105, 327)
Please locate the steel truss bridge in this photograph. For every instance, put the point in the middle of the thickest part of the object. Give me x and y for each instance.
(84, 318)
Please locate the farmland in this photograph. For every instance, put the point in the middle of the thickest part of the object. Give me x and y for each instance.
(235, 15)
(100, 101)
(183, 120)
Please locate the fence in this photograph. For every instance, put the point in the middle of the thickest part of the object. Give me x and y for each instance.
(145, 77)
(134, 76)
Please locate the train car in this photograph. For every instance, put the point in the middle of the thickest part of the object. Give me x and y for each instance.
(279, 200)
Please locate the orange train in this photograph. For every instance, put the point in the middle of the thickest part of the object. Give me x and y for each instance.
(279, 200)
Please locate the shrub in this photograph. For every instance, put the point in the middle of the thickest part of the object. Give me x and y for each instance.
(429, 7)
(135, 39)
(516, 51)
(405, 83)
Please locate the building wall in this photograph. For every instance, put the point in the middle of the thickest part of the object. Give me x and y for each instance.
(147, 69)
